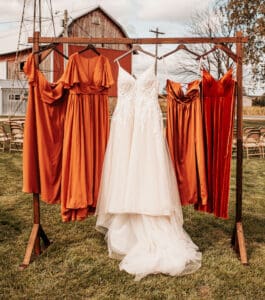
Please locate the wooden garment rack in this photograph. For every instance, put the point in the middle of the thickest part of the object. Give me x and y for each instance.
(237, 241)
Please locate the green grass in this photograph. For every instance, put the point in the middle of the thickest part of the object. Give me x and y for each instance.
(253, 123)
(77, 266)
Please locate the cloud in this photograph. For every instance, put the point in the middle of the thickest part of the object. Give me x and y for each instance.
(9, 9)
(120, 8)
(170, 10)
(136, 16)
(127, 12)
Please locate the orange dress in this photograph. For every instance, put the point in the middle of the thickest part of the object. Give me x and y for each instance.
(218, 116)
(185, 141)
(85, 133)
(81, 97)
(43, 135)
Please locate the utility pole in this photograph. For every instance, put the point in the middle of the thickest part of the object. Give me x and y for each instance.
(40, 16)
(156, 49)
(65, 34)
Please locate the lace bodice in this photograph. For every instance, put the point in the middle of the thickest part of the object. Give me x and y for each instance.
(138, 97)
(146, 87)
(126, 85)
(126, 93)
(148, 115)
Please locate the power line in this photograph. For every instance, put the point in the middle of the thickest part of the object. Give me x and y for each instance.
(9, 22)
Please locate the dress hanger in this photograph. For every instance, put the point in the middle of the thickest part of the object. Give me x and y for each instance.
(183, 47)
(224, 48)
(135, 48)
(180, 47)
(89, 47)
(50, 47)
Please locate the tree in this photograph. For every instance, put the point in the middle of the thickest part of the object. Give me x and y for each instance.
(211, 23)
(208, 23)
(259, 101)
(216, 22)
(249, 17)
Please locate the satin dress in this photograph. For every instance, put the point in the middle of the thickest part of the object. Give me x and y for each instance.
(218, 118)
(43, 135)
(186, 141)
(85, 133)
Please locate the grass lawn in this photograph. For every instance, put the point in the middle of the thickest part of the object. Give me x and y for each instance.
(77, 266)
(253, 123)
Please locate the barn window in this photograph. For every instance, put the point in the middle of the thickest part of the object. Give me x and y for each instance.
(95, 20)
(21, 66)
(14, 97)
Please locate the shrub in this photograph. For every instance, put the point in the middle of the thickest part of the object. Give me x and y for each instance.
(259, 101)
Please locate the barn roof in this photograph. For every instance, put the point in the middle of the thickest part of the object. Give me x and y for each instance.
(9, 83)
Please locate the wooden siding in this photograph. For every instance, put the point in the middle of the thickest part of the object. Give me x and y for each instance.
(85, 27)
(12, 56)
(12, 71)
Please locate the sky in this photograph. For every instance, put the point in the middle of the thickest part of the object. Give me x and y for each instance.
(175, 11)
(137, 17)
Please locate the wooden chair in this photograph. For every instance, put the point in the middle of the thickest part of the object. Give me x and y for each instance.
(252, 144)
(234, 143)
(16, 142)
(262, 144)
(262, 129)
(246, 130)
(4, 137)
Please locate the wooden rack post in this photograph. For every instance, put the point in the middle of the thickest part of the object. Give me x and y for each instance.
(238, 240)
(37, 232)
(238, 236)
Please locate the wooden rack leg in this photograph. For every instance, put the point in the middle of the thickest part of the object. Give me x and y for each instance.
(238, 243)
(31, 243)
(36, 217)
(37, 232)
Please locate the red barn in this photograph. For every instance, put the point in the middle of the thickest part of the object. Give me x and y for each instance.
(94, 23)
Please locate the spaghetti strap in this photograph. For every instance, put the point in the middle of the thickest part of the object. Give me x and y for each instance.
(200, 66)
(165, 68)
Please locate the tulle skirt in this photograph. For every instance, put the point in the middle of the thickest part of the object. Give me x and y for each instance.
(149, 245)
(139, 208)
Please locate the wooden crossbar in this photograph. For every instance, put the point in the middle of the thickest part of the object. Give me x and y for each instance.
(172, 40)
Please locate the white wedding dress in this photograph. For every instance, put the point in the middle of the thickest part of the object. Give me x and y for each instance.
(138, 207)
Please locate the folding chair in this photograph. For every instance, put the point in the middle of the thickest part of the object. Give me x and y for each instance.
(252, 144)
(4, 138)
(16, 142)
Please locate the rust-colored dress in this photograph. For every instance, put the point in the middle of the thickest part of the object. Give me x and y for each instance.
(43, 135)
(218, 116)
(85, 133)
(83, 124)
(185, 141)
